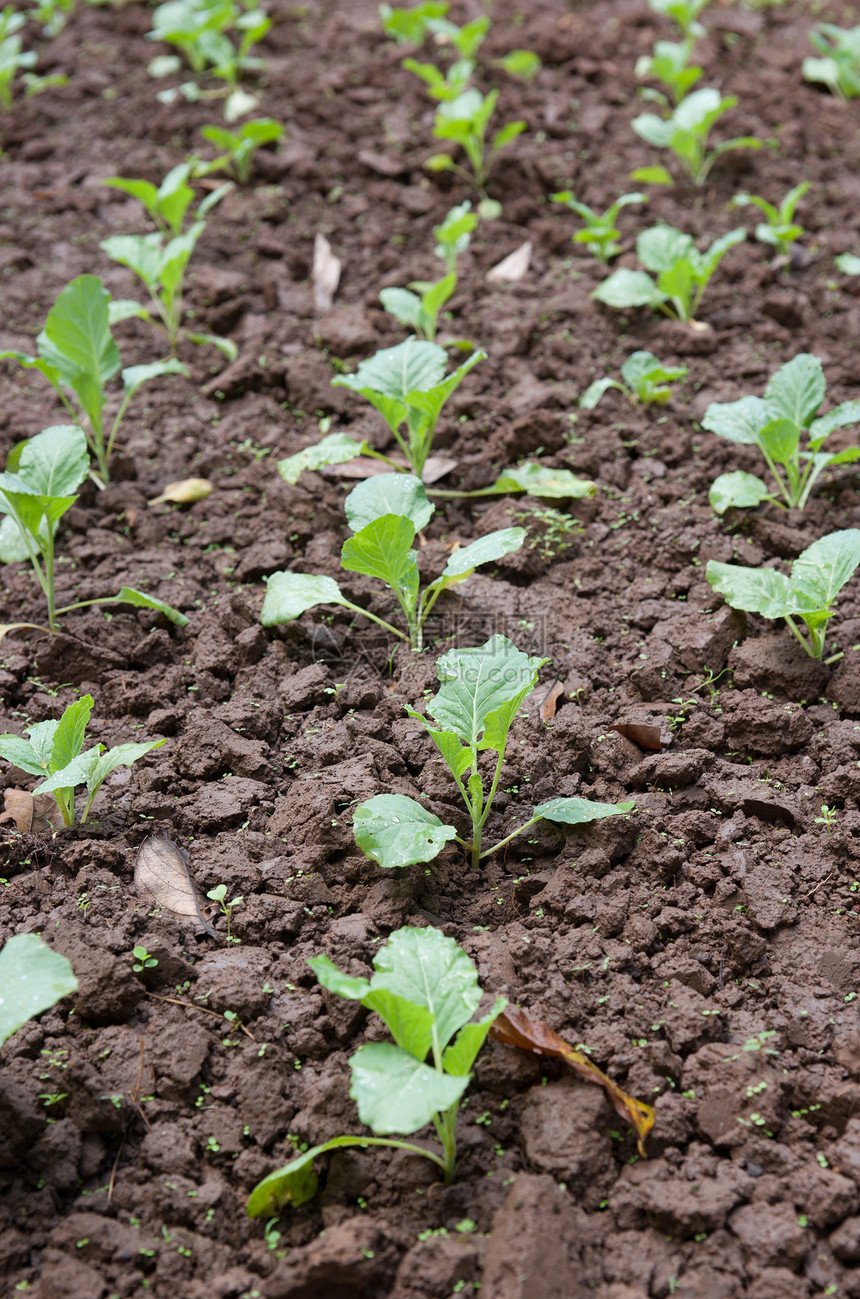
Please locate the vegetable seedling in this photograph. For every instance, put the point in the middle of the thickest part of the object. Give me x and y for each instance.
(33, 978)
(682, 273)
(142, 960)
(838, 68)
(779, 230)
(13, 58)
(219, 895)
(686, 133)
(205, 31)
(776, 423)
(239, 147)
(464, 121)
(600, 235)
(55, 750)
(670, 65)
(411, 26)
(418, 306)
(50, 468)
(683, 12)
(425, 990)
(481, 693)
(385, 513)
(454, 234)
(808, 595)
(645, 381)
(77, 354)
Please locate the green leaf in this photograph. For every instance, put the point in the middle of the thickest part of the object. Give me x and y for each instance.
(69, 735)
(426, 968)
(521, 63)
(477, 682)
(412, 366)
(336, 449)
(595, 391)
(77, 333)
(624, 289)
(652, 175)
(739, 421)
(738, 490)
(410, 1025)
(485, 550)
(507, 135)
(122, 755)
(538, 480)
(797, 390)
(32, 978)
(403, 306)
(32, 511)
(756, 590)
(462, 1053)
(395, 1092)
(140, 253)
(848, 263)
(394, 831)
(335, 981)
(125, 309)
(42, 743)
(289, 595)
(400, 494)
(383, 549)
(56, 461)
(579, 811)
(133, 376)
(840, 417)
(13, 547)
(225, 346)
(661, 247)
(779, 439)
(821, 571)
(296, 1182)
(21, 754)
(141, 600)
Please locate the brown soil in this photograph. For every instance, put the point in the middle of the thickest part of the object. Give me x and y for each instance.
(718, 911)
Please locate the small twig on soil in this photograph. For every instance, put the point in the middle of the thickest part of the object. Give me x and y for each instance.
(205, 1009)
(818, 885)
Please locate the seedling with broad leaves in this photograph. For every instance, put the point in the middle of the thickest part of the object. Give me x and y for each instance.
(779, 229)
(838, 66)
(778, 423)
(33, 978)
(216, 36)
(38, 487)
(481, 693)
(464, 120)
(78, 355)
(686, 134)
(670, 65)
(425, 990)
(55, 751)
(385, 513)
(239, 147)
(418, 306)
(807, 596)
(645, 381)
(681, 273)
(683, 12)
(601, 235)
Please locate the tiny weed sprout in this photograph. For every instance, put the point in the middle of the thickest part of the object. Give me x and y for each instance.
(386, 512)
(55, 750)
(160, 259)
(682, 273)
(142, 960)
(454, 234)
(827, 818)
(684, 13)
(425, 990)
(779, 229)
(775, 424)
(670, 65)
(551, 531)
(77, 354)
(645, 381)
(33, 979)
(686, 133)
(49, 469)
(481, 693)
(600, 235)
(838, 68)
(239, 147)
(219, 895)
(817, 577)
(215, 36)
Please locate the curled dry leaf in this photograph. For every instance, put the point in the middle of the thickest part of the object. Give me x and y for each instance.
(184, 492)
(549, 703)
(436, 467)
(326, 273)
(514, 266)
(641, 734)
(39, 815)
(161, 871)
(515, 1028)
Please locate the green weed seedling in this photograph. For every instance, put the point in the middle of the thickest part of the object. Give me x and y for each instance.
(215, 36)
(77, 354)
(142, 960)
(776, 424)
(219, 895)
(425, 990)
(779, 230)
(161, 258)
(670, 65)
(481, 693)
(239, 147)
(34, 496)
(838, 68)
(645, 381)
(684, 13)
(808, 595)
(686, 134)
(385, 513)
(33, 979)
(55, 750)
(682, 273)
(454, 235)
(600, 235)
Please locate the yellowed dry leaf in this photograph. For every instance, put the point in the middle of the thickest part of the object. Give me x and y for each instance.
(325, 274)
(184, 492)
(161, 872)
(7, 627)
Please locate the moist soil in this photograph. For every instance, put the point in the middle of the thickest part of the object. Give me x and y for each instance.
(704, 949)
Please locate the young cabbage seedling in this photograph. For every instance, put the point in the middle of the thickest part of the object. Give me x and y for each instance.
(682, 273)
(49, 469)
(776, 423)
(670, 65)
(425, 990)
(600, 235)
(454, 234)
(808, 595)
(464, 120)
(239, 147)
(77, 354)
(645, 380)
(33, 978)
(55, 750)
(418, 306)
(205, 32)
(386, 512)
(412, 26)
(481, 693)
(780, 229)
(13, 58)
(683, 12)
(686, 133)
(838, 68)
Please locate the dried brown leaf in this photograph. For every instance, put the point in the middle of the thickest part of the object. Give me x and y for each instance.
(436, 467)
(325, 273)
(39, 815)
(161, 870)
(515, 1028)
(641, 734)
(550, 702)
